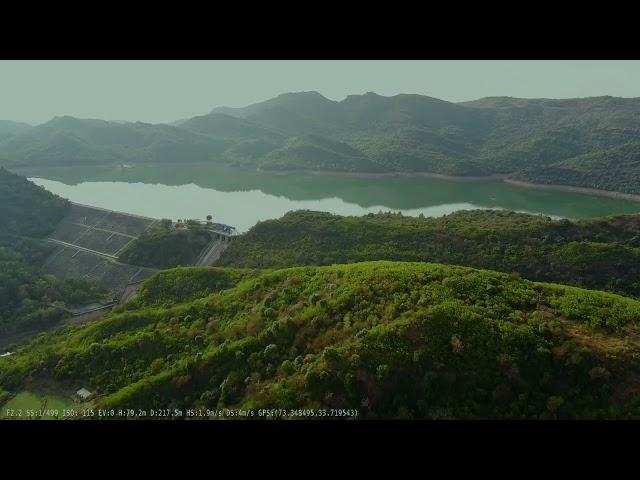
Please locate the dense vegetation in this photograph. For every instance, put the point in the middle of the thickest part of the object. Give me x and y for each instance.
(303, 314)
(616, 169)
(589, 142)
(28, 299)
(602, 253)
(34, 301)
(72, 141)
(166, 247)
(317, 153)
(392, 340)
(26, 209)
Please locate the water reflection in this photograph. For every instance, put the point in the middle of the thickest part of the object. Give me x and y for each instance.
(242, 198)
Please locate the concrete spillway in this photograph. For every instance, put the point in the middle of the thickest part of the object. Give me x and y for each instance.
(212, 252)
(89, 240)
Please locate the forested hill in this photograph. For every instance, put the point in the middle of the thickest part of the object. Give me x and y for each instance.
(72, 141)
(385, 339)
(588, 142)
(27, 209)
(30, 300)
(601, 253)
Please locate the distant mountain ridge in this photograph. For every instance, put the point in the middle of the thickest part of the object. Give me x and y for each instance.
(72, 141)
(9, 129)
(584, 142)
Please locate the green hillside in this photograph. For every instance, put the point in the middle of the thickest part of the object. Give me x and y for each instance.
(227, 127)
(601, 253)
(616, 169)
(166, 247)
(27, 209)
(317, 153)
(30, 300)
(489, 136)
(390, 340)
(584, 142)
(73, 141)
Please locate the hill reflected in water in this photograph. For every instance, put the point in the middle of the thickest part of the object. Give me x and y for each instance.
(249, 196)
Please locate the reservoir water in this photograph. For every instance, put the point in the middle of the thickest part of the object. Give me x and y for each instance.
(242, 198)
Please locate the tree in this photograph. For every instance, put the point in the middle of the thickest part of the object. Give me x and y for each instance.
(191, 223)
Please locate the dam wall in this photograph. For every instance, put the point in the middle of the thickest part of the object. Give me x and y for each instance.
(89, 240)
(87, 243)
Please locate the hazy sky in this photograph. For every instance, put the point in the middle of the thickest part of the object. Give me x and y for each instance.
(164, 91)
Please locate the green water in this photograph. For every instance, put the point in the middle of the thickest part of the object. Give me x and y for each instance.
(242, 198)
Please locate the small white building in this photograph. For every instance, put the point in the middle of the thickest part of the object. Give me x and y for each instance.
(83, 394)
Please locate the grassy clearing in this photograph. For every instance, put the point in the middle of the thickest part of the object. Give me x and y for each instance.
(29, 405)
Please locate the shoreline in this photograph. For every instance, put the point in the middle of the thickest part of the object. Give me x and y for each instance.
(503, 178)
(571, 189)
(438, 176)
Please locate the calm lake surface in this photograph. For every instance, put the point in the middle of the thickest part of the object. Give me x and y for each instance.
(242, 198)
